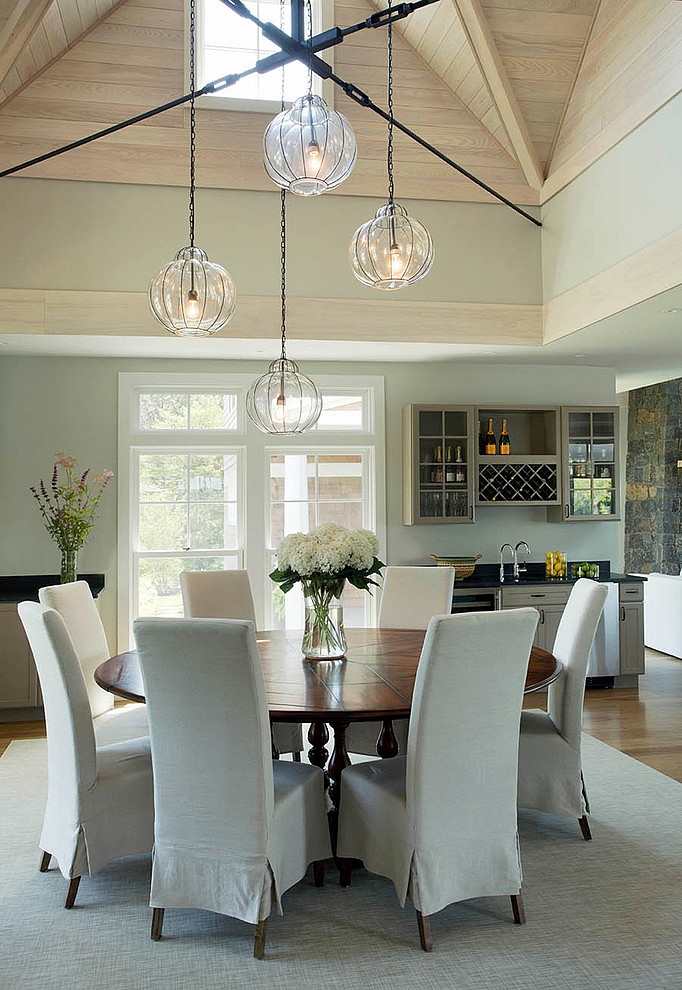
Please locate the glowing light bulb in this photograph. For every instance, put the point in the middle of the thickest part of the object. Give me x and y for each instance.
(192, 309)
(313, 150)
(280, 410)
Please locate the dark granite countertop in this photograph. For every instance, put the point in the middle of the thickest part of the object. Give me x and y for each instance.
(488, 576)
(25, 587)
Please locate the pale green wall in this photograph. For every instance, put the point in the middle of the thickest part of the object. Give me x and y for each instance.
(101, 236)
(628, 199)
(50, 404)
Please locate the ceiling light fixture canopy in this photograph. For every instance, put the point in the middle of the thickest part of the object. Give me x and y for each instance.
(192, 296)
(309, 148)
(283, 400)
(391, 250)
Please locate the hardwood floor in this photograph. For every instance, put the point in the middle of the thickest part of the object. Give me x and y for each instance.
(645, 722)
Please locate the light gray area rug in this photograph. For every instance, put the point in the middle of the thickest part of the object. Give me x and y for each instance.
(601, 914)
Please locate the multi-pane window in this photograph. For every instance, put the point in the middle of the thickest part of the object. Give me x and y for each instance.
(188, 518)
(200, 488)
(230, 44)
(166, 410)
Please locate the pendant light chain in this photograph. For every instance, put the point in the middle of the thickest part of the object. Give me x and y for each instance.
(192, 116)
(389, 152)
(283, 225)
(310, 45)
(283, 257)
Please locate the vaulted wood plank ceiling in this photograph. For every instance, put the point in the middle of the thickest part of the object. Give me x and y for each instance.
(504, 87)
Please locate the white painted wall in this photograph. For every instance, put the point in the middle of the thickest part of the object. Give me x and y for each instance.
(51, 404)
(102, 236)
(627, 200)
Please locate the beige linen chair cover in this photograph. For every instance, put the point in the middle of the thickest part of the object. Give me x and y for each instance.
(99, 798)
(440, 822)
(227, 595)
(234, 828)
(550, 776)
(78, 609)
(410, 597)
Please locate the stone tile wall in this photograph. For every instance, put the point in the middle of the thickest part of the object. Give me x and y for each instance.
(653, 482)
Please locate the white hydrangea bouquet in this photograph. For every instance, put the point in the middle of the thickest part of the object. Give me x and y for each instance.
(323, 560)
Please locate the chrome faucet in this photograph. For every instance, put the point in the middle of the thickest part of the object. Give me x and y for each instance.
(518, 568)
(502, 549)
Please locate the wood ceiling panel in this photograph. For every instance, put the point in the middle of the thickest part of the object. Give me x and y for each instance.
(486, 81)
(632, 66)
(541, 46)
(61, 25)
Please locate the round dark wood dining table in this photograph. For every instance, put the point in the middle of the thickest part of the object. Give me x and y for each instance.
(373, 683)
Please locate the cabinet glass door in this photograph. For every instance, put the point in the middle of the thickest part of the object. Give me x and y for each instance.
(592, 458)
(442, 475)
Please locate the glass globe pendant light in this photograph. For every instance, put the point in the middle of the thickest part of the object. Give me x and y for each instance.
(192, 296)
(309, 148)
(284, 400)
(391, 250)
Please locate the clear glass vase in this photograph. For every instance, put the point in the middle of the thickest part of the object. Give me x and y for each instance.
(323, 635)
(69, 566)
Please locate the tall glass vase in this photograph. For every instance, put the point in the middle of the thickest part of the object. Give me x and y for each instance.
(323, 635)
(69, 566)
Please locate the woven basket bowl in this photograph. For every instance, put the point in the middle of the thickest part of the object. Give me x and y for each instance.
(463, 568)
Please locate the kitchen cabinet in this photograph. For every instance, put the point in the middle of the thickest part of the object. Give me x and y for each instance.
(530, 473)
(18, 677)
(631, 627)
(438, 465)
(19, 685)
(549, 600)
(590, 465)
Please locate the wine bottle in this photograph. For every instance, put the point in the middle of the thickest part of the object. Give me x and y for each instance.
(490, 442)
(460, 471)
(505, 445)
(481, 439)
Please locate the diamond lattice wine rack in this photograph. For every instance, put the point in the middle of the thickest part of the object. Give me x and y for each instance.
(518, 483)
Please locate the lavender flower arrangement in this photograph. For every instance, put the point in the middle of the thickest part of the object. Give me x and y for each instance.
(68, 507)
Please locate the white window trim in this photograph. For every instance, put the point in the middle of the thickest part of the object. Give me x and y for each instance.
(323, 19)
(255, 464)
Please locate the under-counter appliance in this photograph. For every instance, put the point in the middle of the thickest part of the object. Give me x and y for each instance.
(475, 599)
(604, 662)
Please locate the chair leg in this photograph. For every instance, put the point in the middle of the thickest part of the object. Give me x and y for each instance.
(424, 926)
(45, 862)
(318, 872)
(345, 872)
(585, 828)
(71, 892)
(157, 923)
(517, 909)
(259, 939)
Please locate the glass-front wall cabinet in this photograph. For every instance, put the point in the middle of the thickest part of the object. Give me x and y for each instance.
(439, 467)
(591, 470)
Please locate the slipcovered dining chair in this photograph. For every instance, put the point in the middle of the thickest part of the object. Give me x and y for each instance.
(227, 595)
(410, 596)
(231, 835)
(550, 770)
(440, 822)
(78, 609)
(99, 796)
